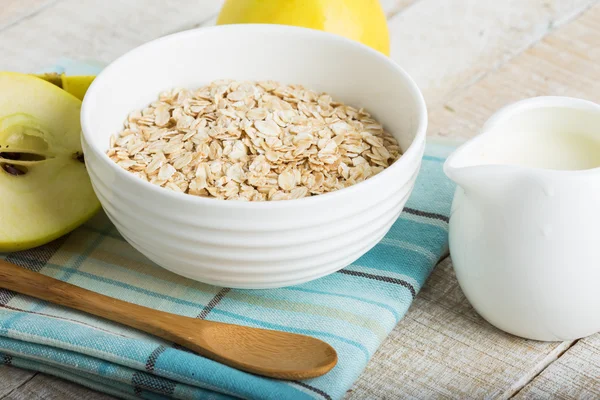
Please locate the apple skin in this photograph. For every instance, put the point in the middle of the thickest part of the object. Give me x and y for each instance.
(360, 20)
(8, 247)
(75, 85)
(54, 195)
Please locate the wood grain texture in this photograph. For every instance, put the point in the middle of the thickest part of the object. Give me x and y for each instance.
(575, 375)
(447, 45)
(13, 11)
(85, 30)
(565, 63)
(393, 7)
(44, 387)
(13, 378)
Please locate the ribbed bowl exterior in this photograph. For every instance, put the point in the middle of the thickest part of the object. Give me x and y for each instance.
(260, 248)
(258, 244)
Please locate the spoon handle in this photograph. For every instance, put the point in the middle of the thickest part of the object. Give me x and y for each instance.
(65, 294)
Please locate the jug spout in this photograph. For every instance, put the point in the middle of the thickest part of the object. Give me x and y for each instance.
(484, 180)
(469, 170)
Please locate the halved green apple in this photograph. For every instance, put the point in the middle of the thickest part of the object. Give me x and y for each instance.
(45, 190)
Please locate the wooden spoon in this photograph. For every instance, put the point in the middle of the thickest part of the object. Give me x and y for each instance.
(265, 352)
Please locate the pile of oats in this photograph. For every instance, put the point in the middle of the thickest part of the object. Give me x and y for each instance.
(252, 141)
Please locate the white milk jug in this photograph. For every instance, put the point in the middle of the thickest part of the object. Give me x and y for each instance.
(525, 222)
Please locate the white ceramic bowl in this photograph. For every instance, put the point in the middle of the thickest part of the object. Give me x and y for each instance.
(257, 244)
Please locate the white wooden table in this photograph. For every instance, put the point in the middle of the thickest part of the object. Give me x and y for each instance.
(469, 57)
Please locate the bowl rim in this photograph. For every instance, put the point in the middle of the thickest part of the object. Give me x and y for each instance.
(312, 34)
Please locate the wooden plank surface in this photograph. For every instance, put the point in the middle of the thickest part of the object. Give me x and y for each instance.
(457, 51)
(566, 63)
(44, 387)
(576, 374)
(12, 379)
(13, 11)
(447, 45)
(393, 7)
(86, 30)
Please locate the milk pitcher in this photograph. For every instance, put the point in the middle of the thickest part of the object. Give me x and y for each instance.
(525, 221)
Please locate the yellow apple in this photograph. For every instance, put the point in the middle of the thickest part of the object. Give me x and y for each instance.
(360, 20)
(76, 85)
